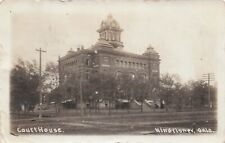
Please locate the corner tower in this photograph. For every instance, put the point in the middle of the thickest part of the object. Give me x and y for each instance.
(110, 31)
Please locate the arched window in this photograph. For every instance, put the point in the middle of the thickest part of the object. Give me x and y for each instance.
(87, 75)
(101, 36)
(117, 37)
(117, 61)
(65, 77)
(106, 59)
(118, 74)
(107, 36)
(113, 36)
(143, 76)
(87, 62)
(129, 64)
(125, 63)
(137, 64)
(155, 67)
(104, 35)
(121, 62)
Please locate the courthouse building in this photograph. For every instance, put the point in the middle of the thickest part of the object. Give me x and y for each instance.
(109, 56)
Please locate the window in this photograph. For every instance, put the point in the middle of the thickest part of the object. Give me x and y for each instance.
(87, 75)
(118, 74)
(101, 36)
(110, 35)
(154, 67)
(129, 64)
(125, 63)
(65, 77)
(87, 62)
(117, 37)
(113, 36)
(121, 62)
(132, 75)
(143, 77)
(106, 59)
(69, 90)
(104, 35)
(107, 36)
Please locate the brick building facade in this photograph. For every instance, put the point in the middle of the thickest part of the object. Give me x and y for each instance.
(108, 56)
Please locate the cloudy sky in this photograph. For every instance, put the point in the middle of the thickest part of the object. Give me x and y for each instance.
(187, 34)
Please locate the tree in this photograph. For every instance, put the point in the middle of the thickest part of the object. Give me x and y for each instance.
(105, 86)
(178, 95)
(125, 82)
(70, 88)
(141, 91)
(199, 93)
(108, 88)
(167, 88)
(50, 77)
(24, 81)
(213, 91)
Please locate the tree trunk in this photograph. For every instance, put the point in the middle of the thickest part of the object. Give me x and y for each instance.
(141, 106)
(109, 107)
(166, 103)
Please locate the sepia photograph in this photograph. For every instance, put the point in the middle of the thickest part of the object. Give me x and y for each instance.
(103, 68)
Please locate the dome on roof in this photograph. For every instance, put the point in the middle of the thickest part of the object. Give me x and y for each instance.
(110, 33)
(71, 51)
(103, 43)
(110, 22)
(150, 51)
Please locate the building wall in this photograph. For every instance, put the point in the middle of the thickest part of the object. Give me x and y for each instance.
(109, 63)
(87, 61)
(137, 66)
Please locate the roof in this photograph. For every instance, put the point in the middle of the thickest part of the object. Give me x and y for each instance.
(121, 52)
(103, 43)
(118, 52)
(71, 54)
(109, 23)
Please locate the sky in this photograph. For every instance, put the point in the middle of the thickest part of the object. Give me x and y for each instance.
(188, 35)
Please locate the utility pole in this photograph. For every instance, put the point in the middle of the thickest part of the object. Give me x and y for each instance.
(209, 77)
(59, 86)
(81, 93)
(40, 81)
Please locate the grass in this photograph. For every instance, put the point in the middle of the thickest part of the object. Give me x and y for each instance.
(133, 123)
